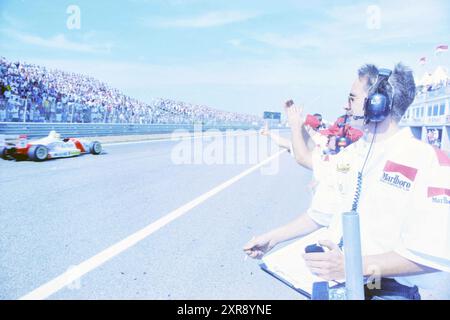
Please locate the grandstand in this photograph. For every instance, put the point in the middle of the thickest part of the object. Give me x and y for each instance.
(429, 115)
(32, 93)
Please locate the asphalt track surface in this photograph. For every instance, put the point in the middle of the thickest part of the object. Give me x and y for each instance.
(59, 213)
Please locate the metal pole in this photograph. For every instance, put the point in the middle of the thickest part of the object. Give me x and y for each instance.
(25, 110)
(354, 283)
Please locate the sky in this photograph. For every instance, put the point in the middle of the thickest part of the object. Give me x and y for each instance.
(246, 56)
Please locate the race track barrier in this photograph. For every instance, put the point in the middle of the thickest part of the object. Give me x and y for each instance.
(36, 130)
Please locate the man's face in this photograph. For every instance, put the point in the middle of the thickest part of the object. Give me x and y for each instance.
(356, 99)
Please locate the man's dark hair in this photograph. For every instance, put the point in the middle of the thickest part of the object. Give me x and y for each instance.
(400, 88)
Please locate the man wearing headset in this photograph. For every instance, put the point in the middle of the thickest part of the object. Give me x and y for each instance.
(397, 184)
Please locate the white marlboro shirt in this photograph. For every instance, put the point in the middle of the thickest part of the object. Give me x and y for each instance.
(404, 204)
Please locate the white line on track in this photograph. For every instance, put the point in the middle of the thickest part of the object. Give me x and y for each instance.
(74, 273)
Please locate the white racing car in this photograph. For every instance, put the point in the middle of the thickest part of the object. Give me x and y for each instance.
(50, 147)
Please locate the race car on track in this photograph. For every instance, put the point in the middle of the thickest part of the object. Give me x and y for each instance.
(50, 147)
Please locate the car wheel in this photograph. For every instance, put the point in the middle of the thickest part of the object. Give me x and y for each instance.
(3, 153)
(38, 152)
(95, 147)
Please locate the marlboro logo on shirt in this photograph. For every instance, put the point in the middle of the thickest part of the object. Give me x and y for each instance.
(398, 175)
(439, 195)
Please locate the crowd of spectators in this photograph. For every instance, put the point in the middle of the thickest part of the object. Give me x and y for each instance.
(31, 93)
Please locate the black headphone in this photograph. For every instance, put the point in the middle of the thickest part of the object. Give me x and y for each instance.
(378, 105)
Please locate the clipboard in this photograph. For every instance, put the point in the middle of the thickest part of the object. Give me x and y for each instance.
(281, 263)
(264, 267)
(290, 285)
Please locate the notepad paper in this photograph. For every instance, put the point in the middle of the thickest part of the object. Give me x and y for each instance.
(288, 263)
